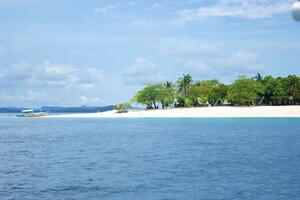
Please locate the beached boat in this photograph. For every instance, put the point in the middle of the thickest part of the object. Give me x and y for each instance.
(31, 113)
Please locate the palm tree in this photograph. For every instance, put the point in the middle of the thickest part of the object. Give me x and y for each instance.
(169, 84)
(184, 83)
(168, 94)
(258, 77)
(293, 83)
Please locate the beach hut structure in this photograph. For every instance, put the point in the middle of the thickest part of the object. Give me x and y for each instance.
(207, 104)
(175, 102)
(291, 100)
(219, 102)
(262, 101)
(226, 103)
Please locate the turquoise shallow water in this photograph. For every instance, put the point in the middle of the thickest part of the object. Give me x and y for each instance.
(149, 158)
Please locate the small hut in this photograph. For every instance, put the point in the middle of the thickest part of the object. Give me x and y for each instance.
(219, 102)
(226, 103)
(207, 104)
(291, 100)
(263, 101)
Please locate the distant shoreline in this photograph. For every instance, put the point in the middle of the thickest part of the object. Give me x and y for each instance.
(197, 112)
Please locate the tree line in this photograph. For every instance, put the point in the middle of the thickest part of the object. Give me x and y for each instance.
(245, 91)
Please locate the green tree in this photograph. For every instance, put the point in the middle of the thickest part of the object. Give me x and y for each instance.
(292, 85)
(188, 103)
(212, 90)
(180, 102)
(258, 77)
(167, 94)
(149, 96)
(184, 83)
(273, 90)
(244, 91)
(279, 95)
(122, 107)
(155, 94)
(202, 100)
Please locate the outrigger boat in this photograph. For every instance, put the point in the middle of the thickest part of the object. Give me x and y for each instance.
(31, 113)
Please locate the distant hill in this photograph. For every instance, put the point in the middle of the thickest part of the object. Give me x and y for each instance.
(58, 109)
(82, 109)
(11, 110)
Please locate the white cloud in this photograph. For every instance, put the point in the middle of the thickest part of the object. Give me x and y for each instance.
(28, 96)
(105, 9)
(142, 67)
(89, 101)
(243, 62)
(49, 75)
(89, 77)
(196, 67)
(47, 83)
(143, 72)
(16, 75)
(248, 9)
(33, 96)
(239, 63)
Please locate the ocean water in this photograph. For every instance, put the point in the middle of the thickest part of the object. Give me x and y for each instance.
(143, 159)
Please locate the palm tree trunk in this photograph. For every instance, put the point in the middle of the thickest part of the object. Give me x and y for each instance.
(162, 104)
(154, 104)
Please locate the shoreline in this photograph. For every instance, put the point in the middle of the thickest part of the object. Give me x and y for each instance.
(197, 112)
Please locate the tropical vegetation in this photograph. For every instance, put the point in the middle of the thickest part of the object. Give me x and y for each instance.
(122, 107)
(245, 91)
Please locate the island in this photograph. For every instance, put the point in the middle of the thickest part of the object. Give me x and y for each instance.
(246, 97)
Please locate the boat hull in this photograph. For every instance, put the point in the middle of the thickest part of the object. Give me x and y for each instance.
(32, 115)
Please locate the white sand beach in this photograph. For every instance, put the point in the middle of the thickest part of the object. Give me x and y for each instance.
(202, 112)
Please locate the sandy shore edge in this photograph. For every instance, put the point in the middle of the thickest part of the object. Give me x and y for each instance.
(202, 112)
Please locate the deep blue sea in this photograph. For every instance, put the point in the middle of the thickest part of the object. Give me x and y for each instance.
(128, 159)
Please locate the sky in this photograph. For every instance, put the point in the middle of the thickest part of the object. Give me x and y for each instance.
(100, 52)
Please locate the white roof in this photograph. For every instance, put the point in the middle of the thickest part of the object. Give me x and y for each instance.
(24, 111)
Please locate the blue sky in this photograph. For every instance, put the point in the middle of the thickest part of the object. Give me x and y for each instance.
(73, 53)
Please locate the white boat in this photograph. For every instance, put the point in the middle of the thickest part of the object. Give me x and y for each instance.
(31, 113)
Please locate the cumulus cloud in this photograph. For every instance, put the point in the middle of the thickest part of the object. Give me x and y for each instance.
(237, 8)
(49, 75)
(143, 72)
(29, 96)
(89, 101)
(239, 63)
(243, 62)
(142, 67)
(15, 75)
(195, 67)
